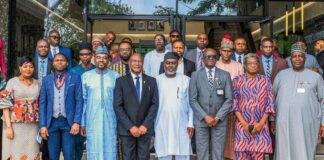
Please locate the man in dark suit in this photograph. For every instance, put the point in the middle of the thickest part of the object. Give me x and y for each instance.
(270, 65)
(136, 105)
(185, 66)
(43, 65)
(61, 104)
(54, 39)
(196, 55)
(240, 50)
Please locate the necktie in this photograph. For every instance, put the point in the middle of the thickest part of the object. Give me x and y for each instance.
(210, 79)
(138, 88)
(54, 51)
(239, 59)
(41, 70)
(268, 70)
(198, 60)
(200, 63)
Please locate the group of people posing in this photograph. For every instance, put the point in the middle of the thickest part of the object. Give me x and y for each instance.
(238, 106)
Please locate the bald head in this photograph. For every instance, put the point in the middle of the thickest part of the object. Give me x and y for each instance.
(202, 41)
(42, 48)
(240, 45)
(210, 50)
(136, 63)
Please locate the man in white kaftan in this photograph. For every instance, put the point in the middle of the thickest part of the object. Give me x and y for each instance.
(153, 59)
(300, 109)
(174, 122)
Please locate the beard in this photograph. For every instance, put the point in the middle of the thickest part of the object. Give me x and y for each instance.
(125, 57)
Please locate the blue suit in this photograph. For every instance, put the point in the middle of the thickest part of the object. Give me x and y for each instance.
(233, 57)
(59, 128)
(66, 51)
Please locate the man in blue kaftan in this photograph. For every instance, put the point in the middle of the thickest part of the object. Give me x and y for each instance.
(99, 119)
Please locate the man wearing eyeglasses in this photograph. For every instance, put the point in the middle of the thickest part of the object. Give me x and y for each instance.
(85, 56)
(185, 66)
(210, 96)
(173, 36)
(153, 59)
(125, 52)
(54, 40)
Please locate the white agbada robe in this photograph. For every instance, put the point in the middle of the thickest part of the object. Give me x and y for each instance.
(174, 116)
(152, 62)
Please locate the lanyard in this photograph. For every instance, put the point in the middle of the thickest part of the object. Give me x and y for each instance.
(59, 81)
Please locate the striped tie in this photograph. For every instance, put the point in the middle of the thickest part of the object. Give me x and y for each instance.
(41, 71)
(268, 70)
(210, 79)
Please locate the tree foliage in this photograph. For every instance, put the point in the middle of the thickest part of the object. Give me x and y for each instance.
(105, 7)
(216, 7)
(165, 11)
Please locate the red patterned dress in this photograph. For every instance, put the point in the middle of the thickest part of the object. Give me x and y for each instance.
(22, 100)
(252, 97)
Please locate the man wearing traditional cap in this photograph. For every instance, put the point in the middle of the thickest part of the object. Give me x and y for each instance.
(227, 39)
(300, 109)
(174, 122)
(310, 62)
(99, 119)
(234, 69)
(185, 66)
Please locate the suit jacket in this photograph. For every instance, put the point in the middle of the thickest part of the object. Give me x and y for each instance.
(130, 112)
(320, 60)
(192, 55)
(189, 67)
(278, 64)
(205, 101)
(50, 68)
(72, 97)
(234, 58)
(66, 51)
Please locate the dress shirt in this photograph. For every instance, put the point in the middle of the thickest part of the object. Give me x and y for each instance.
(264, 63)
(52, 49)
(213, 72)
(180, 68)
(39, 66)
(237, 57)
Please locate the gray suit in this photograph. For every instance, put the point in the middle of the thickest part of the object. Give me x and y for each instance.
(192, 55)
(205, 101)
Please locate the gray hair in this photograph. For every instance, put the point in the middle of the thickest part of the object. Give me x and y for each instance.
(251, 55)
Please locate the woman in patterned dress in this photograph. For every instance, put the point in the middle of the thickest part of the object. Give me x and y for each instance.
(252, 103)
(19, 102)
